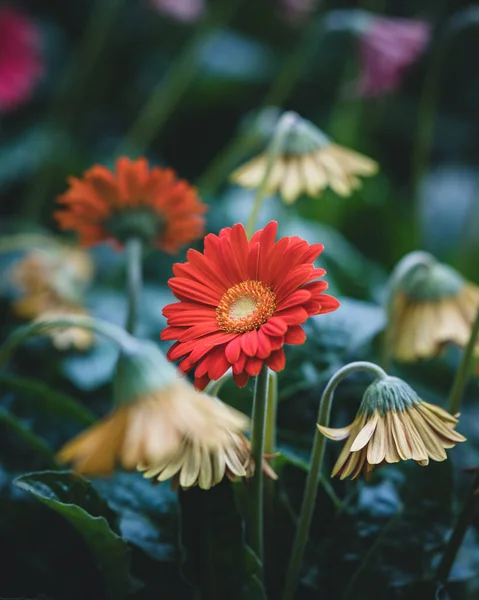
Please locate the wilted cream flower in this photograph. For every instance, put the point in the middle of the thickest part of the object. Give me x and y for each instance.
(430, 305)
(161, 424)
(308, 162)
(52, 281)
(393, 424)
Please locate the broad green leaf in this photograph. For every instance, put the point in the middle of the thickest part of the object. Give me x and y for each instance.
(48, 399)
(217, 560)
(75, 499)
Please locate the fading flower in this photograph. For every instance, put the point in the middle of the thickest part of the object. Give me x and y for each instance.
(135, 201)
(308, 163)
(393, 424)
(21, 60)
(241, 301)
(163, 426)
(388, 46)
(52, 281)
(430, 306)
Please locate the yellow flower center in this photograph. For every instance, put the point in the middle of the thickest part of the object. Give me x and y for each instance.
(245, 306)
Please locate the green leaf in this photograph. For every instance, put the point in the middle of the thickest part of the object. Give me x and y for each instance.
(28, 438)
(75, 499)
(217, 560)
(48, 399)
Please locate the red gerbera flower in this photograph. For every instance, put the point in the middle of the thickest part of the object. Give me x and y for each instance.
(241, 301)
(136, 201)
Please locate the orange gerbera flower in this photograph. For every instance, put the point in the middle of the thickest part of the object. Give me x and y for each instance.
(136, 201)
(241, 301)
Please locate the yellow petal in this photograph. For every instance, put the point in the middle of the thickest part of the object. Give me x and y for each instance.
(376, 451)
(392, 455)
(365, 434)
(336, 434)
(292, 184)
(250, 174)
(400, 439)
(354, 161)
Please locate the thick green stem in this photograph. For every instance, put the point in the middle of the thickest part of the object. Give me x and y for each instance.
(134, 281)
(255, 533)
(273, 152)
(317, 455)
(464, 369)
(463, 521)
(118, 335)
(166, 95)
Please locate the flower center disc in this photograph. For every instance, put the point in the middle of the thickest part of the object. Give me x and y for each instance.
(245, 307)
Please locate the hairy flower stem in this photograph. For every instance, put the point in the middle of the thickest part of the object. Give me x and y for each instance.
(260, 401)
(165, 96)
(118, 335)
(463, 521)
(270, 484)
(273, 152)
(464, 369)
(134, 281)
(316, 463)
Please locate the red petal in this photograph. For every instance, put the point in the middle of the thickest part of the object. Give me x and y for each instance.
(253, 366)
(293, 316)
(295, 335)
(233, 350)
(264, 344)
(239, 365)
(274, 327)
(276, 342)
(197, 331)
(253, 262)
(293, 280)
(241, 379)
(186, 289)
(298, 297)
(276, 360)
(249, 343)
(201, 382)
(328, 303)
(171, 333)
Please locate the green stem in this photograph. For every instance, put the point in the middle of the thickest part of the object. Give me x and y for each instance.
(167, 93)
(257, 451)
(464, 369)
(115, 333)
(134, 281)
(317, 455)
(271, 410)
(273, 152)
(270, 484)
(463, 521)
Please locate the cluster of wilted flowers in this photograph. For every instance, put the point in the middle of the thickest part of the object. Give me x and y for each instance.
(239, 302)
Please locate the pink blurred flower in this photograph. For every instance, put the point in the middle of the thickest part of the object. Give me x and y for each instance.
(297, 11)
(21, 61)
(182, 10)
(387, 47)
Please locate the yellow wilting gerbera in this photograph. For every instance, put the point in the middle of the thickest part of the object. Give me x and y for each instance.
(52, 280)
(393, 424)
(308, 162)
(161, 420)
(430, 305)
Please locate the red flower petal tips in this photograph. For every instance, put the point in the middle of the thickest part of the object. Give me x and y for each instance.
(240, 301)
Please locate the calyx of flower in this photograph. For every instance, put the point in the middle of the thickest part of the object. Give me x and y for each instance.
(303, 137)
(140, 222)
(141, 371)
(421, 277)
(388, 394)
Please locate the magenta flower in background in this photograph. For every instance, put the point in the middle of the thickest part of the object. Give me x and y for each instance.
(21, 61)
(387, 47)
(182, 10)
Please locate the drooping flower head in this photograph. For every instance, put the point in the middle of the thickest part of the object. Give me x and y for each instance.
(21, 61)
(308, 162)
(161, 425)
(393, 424)
(135, 201)
(430, 306)
(388, 46)
(241, 301)
(52, 281)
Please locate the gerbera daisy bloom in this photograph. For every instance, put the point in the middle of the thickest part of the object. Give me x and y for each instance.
(163, 425)
(430, 306)
(241, 301)
(393, 424)
(133, 202)
(308, 163)
(52, 281)
(21, 61)
(388, 46)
